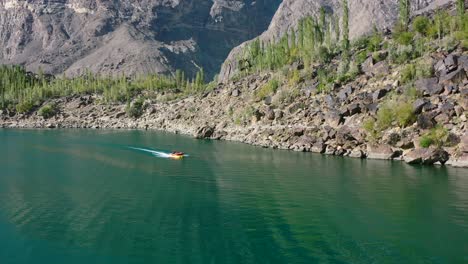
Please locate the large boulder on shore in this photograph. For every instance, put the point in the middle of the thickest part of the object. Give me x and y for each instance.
(380, 151)
(204, 132)
(427, 156)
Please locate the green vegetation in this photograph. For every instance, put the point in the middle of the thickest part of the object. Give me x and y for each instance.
(23, 91)
(405, 11)
(136, 108)
(395, 111)
(435, 137)
(48, 110)
(268, 89)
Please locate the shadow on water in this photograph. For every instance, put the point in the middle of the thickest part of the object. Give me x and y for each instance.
(75, 196)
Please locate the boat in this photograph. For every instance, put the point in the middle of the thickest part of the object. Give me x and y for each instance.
(177, 155)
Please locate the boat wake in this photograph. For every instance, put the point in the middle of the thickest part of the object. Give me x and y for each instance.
(155, 153)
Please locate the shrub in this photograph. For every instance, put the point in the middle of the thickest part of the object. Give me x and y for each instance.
(375, 42)
(324, 55)
(24, 107)
(294, 78)
(47, 111)
(404, 38)
(408, 74)
(135, 109)
(385, 117)
(421, 25)
(268, 89)
(435, 137)
(369, 126)
(404, 114)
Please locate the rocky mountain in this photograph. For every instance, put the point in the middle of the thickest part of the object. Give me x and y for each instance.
(363, 16)
(116, 37)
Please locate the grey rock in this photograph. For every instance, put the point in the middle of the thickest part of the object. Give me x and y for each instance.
(334, 118)
(429, 86)
(426, 120)
(357, 153)
(379, 94)
(454, 77)
(451, 62)
(330, 150)
(318, 148)
(354, 109)
(235, 92)
(382, 152)
(427, 156)
(367, 65)
(418, 105)
(204, 132)
(461, 161)
(268, 100)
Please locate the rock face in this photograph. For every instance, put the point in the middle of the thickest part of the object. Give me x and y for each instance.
(115, 37)
(364, 14)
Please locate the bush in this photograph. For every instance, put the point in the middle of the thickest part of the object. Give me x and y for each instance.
(408, 74)
(435, 137)
(404, 114)
(375, 42)
(24, 107)
(324, 55)
(268, 89)
(404, 38)
(398, 110)
(47, 111)
(135, 109)
(421, 24)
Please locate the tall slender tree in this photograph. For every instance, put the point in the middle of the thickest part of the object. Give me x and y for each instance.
(345, 27)
(461, 7)
(405, 12)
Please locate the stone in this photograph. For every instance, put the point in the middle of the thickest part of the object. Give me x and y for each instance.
(334, 118)
(464, 143)
(440, 68)
(426, 120)
(447, 108)
(429, 86)
(380, 151)
(454, 77)
(298, 132)
(418, 105)
(354, 109)
(50, 125)
(268, 100)
(344, 93)
(357, 153)
(235, 93)
(278, 114)
(451, 62)
(381, 69)
(426, 156)
(380, 93)
(269, 114)
(461, 161)
(330, 101)
(330, 150)
(442, 119)
(318, 148)
(367, 66)
(204, 132)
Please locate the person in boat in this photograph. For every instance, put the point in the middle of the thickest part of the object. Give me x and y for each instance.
(177, 153)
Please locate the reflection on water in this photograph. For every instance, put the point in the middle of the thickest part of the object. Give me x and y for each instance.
(82, 196)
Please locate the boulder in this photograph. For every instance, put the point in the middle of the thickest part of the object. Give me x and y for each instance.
(357, 153)
(330, 150)
(380, 69)
(235, 93)
(367, 66)
(379, 94)
(380, 151)
(269, 114)
(426, 120)
(427, 156)
(461, 161)
(454, 77)
(334, 118)
(204, 132)
(418, 105)
(278, 114)
(318, 148)
(429, 86)
(354, 109)
(268, 100)
(451, 62)
(344, 93)
(330, 101)
(464, 143)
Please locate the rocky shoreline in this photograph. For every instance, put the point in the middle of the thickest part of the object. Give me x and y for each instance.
(329, 123)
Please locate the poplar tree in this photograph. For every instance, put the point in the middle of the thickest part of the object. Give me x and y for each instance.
(461, 7)
(405, 11)
(345, 27)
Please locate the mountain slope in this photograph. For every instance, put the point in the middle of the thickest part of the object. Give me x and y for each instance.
(115, 37)
(364, 14)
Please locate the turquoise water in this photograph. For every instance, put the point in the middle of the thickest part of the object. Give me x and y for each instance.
(76, 196)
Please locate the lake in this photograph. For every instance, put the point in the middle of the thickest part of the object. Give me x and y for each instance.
(83, 196)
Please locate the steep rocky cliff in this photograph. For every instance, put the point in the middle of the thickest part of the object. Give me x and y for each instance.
(115, 37)
(364, 15)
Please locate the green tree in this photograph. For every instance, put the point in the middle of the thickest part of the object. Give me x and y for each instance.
(345, 27)
(405, 11)
(461, 7)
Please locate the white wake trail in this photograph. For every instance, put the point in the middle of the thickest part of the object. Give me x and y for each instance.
(158, 154)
